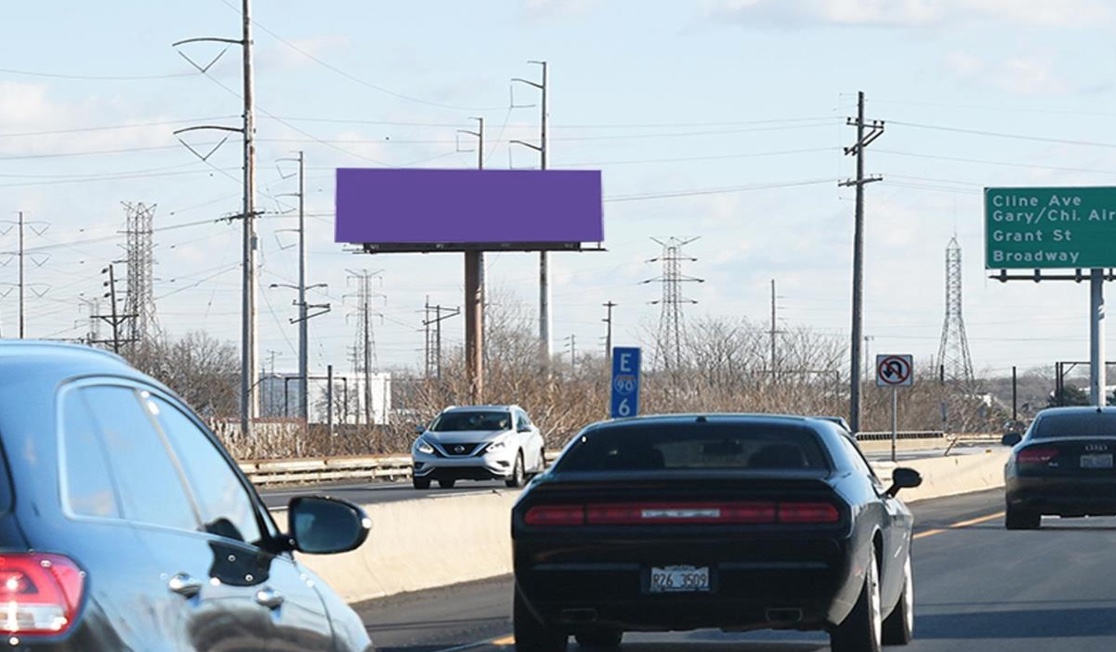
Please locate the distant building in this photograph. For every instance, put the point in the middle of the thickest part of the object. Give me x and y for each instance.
(280, 395)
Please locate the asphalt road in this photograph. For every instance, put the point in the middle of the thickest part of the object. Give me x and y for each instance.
(978, 587)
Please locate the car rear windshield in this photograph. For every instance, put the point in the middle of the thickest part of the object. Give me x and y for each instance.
(696, 446)
(486, 420)
(1084, 424)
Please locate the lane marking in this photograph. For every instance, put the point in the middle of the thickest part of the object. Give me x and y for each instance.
(497, 642)
(961, 524)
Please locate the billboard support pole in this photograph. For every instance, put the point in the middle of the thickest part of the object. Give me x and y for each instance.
(1097, 379)
(474, 299)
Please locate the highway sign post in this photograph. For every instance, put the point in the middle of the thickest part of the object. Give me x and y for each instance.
(894, 371)
(625, 382)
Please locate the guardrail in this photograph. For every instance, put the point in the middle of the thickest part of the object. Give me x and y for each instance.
(390, 468)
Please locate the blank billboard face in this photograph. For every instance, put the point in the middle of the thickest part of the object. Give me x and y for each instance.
(435, 209)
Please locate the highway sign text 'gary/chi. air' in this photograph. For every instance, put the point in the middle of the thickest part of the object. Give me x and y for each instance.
(1044, 228)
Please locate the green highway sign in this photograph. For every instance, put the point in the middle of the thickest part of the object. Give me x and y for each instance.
(1049, 228)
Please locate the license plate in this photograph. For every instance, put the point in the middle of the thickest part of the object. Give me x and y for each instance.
(679, 579)
(1096, 461)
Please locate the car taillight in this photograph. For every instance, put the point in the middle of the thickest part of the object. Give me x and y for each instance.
(1036, 455)
(555, 515)
(745, 512)
(39, 593)
(808, 513)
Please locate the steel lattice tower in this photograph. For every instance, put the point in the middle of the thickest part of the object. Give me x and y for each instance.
(953, 353)
(668, 351)
(140, 302)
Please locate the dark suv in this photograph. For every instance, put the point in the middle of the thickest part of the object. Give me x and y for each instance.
(125, 525)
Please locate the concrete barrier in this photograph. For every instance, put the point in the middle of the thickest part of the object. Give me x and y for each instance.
(442, 540)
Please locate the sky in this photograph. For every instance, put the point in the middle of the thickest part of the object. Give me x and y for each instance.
(717, 122)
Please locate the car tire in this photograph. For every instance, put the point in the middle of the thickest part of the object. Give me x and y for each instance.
(860, 631)
(518, 475)
(542, 461)
(898, 627)
(420, 483)
(532, 635)
(600, 639)
(447, 484)
(1016, 518)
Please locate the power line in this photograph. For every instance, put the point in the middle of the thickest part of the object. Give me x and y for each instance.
(52, 75)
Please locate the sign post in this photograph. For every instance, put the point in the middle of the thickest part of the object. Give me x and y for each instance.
(894, 371)
(625, 382)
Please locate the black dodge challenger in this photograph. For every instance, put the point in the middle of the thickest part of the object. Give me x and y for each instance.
(730, 521)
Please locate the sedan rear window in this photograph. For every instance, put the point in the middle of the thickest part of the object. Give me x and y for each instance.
(696, 446)
(1085, 424)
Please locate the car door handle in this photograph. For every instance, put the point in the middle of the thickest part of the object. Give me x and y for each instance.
(269, 597)
(184, 585)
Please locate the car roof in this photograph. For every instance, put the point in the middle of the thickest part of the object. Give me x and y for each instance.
(1077, 409)
(714, 417)
(473, 408)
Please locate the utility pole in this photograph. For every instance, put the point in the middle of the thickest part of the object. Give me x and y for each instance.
(304, 307)
(363, 352)
(249, 374)
(608, 334)
(114, 318)
(572, 339)
(544, 272)
(436, 357)
(474, 299)
(21, 313)
(21, 224)
(774, 332)
(865, 134)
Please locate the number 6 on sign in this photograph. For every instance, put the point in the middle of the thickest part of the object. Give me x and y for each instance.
(624, 410)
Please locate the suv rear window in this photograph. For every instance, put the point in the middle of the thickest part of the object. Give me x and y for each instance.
(1084, 424)
(695, 446)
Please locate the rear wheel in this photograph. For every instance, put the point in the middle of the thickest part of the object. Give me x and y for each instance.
(518, 475)
(860, 631)
(447, 483)
(421, 483)
(601, 638)
(1017, 518)
(532, 635)
(898, 627)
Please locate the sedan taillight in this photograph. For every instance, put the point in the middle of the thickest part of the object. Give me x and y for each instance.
(1036, 455)
(39, 593)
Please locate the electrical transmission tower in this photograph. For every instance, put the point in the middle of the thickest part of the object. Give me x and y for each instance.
(953, 352)
(668, 351)
(364, 351)
(140, 298)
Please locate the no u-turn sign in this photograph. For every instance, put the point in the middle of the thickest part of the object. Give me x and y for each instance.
(894, 370)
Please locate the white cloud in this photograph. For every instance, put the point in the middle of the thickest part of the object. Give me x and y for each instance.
(542, 10)
(911, 13)
(1032, 74)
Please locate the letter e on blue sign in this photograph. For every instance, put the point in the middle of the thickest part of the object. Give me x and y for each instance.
(625, 382)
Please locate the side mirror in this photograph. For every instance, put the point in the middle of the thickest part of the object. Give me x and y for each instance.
(420, 428)
(1011, 439)
(903, 478)
(322, 525)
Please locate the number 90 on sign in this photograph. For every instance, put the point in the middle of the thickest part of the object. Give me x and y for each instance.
(625, 384)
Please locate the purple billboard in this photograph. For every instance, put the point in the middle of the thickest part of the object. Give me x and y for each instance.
(408, 209)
